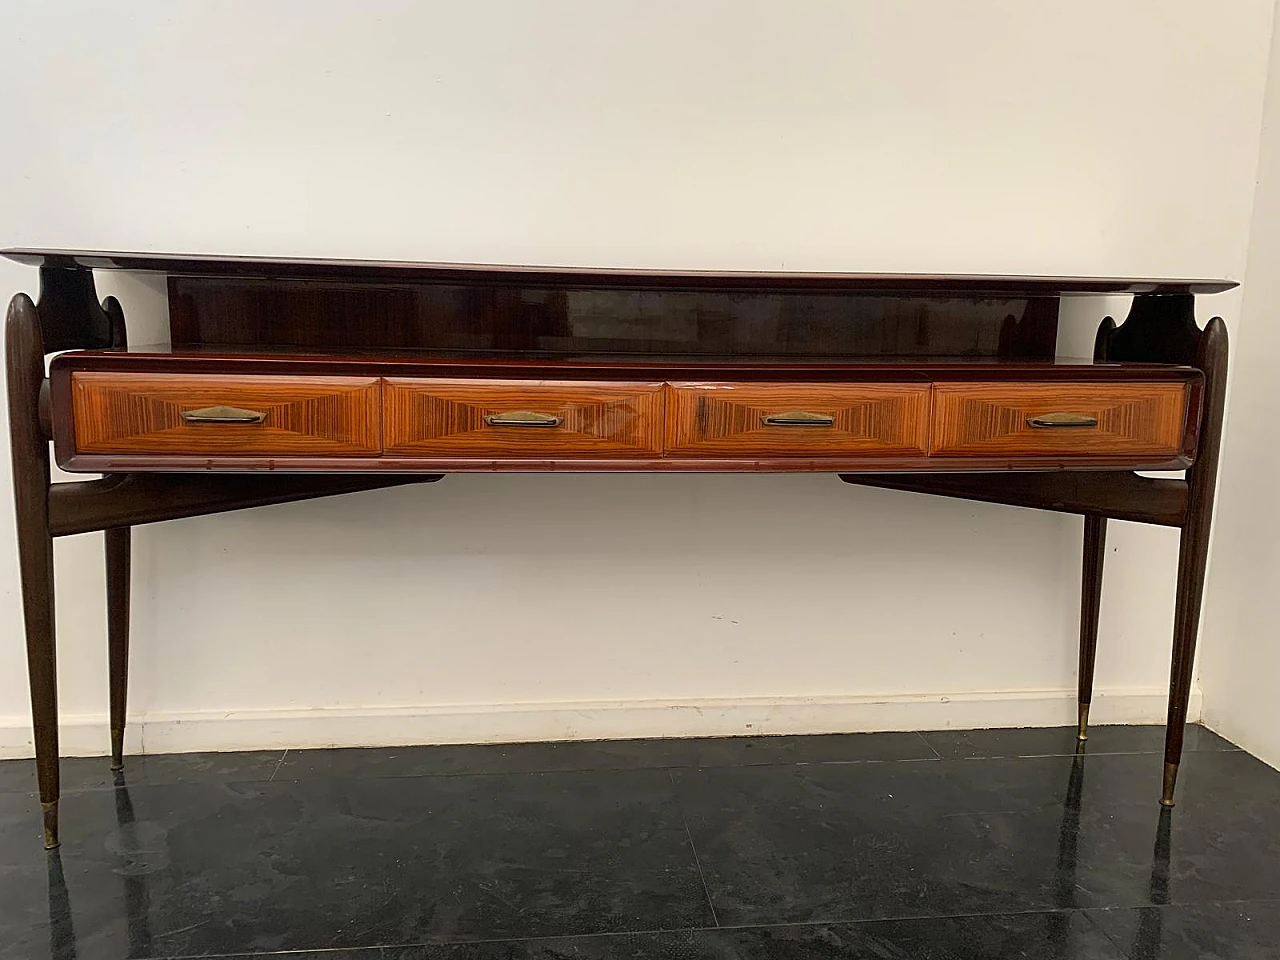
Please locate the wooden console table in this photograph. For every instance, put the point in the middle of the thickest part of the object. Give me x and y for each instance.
(292, 379)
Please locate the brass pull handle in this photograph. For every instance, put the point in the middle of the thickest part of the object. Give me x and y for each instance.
(797, 418)
(1062, 420)
(522, 418)
(223, 414)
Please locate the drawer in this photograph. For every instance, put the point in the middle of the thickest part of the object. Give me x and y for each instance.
(124, 413)
(1012, 419)
(522, 418)
(810, 420)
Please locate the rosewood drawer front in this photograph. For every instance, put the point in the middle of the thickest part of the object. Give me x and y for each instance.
(1010, 419)
(810, 420)
(522, 419)
(124, 413)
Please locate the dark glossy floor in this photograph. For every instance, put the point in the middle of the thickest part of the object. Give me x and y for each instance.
(927, 846)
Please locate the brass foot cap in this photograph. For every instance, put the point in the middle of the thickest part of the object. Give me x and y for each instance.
(1083, 730)
(50, 812)
(1170, 780)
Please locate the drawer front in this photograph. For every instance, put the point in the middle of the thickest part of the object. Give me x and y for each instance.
(125, 413)
(515, 418)
(1004, 419)
(779, 420)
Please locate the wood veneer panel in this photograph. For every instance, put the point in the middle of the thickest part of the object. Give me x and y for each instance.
(739, 419)
(995, 419)
(451, 418)
(125, 413)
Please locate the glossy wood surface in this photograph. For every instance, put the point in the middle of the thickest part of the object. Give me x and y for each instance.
(142, 413)
(1120, 494)
(125, 499)
(29, 450)
(533, 320)
(1138, 419)
(204, 265)
(774, 420)
(1092, 561)
(269, 359)
(118, 561)
(1193, 548)
(462, 418)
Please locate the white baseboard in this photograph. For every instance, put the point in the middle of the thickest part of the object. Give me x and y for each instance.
(86, 735)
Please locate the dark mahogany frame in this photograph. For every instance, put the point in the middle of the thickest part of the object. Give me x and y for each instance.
(1160, 329)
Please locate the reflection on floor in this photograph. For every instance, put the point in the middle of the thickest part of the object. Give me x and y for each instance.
(971, 844)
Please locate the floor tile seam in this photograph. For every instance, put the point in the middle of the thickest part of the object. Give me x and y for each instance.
(1069, 756)
(937, 755)
(279, 764)
(381, 949)
(925, 741)
(1184, 904)
(276, 777)
(907, 918)
(693, 848)
(1090, 753)
(979, 914)
(148, 785)
(1122, 949)
(284, 777)
(373, 953)
(731, 928)
(359, 953)
(653, 931)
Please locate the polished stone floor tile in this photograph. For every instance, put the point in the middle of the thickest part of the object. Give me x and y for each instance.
(94, 773)
(803, 848)
(832, 843)
(1061, 741)
(601, 755)
(173, 870)
(1057, 936)
(1220, 931)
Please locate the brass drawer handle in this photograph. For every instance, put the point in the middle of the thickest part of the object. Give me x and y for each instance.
(797, 418)
(1062, 420)
(222, 414)
(522, 418)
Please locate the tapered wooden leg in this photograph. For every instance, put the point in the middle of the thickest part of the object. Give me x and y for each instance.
(1095, 546)
(118, 545)
(24, 359)
(35, 562)
(1193, 549)
(1192, 555)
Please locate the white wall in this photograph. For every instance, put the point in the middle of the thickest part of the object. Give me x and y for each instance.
(1091, 138)
(1241, 640)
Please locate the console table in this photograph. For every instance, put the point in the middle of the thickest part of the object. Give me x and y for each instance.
(292, 379)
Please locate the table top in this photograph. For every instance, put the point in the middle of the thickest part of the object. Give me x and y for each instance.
(897, 284)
